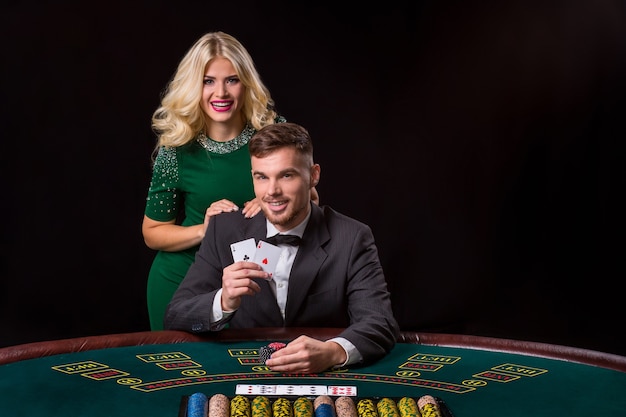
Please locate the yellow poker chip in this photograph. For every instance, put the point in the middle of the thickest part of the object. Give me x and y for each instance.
(303, 407)
(282, 408)
(366, 408)
(408, 407)
(430, 410)
(387, 408)
(261, 407)
(240, 406)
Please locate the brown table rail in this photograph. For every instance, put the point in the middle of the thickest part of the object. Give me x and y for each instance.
(53, 347)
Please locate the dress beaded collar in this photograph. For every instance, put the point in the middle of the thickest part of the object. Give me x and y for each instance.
(228, 146)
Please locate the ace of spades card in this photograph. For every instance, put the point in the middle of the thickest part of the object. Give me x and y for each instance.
(267, 256)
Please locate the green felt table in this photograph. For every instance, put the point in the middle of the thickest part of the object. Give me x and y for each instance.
(153, 379)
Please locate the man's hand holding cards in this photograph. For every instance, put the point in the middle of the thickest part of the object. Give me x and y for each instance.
(265, 254)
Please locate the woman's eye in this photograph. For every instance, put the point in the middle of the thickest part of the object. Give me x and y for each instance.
(208, 81)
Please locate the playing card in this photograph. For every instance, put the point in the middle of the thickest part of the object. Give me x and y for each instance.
(267, 256)
(244, 250)
(255, 389)
(301, 390)
(339, 390)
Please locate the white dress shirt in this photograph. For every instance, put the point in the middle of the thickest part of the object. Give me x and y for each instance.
(280, 286)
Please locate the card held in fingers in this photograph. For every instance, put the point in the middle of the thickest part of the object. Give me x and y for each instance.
(244, 250)
(267, 256)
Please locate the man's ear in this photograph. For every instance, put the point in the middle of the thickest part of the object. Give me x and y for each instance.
(315, 174)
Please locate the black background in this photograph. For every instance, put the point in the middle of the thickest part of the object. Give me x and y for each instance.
(482, 141)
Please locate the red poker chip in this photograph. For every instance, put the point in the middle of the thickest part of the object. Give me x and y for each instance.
(276, 345)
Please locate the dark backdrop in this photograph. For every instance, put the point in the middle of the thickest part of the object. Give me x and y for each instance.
(482, 141)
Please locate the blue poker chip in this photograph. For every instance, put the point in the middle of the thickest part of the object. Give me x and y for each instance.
(325, 410)
(197, 405)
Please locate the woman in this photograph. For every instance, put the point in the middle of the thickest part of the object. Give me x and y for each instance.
(210, 109)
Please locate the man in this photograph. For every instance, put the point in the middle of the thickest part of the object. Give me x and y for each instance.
(332, 279)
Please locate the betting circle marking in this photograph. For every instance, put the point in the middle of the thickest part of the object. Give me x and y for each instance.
(409, 374)
(194, 372)
(474, 383)
(129, 381)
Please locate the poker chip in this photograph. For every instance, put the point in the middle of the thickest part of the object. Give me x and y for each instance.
(428, 407)
(367, 408)
(261, 407)
(303, 407)
(219, 406)
(408, 407)
(266, 351)
(324, 406)
(387, 408)
(345, 407)
(240, 406)
(282, 408)
(197, 405)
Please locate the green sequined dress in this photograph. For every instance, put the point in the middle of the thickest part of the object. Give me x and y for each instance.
(186, 180)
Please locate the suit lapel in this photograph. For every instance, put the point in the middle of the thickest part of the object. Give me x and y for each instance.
(307, 264)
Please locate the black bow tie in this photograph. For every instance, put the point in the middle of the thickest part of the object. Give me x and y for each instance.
(279, 239)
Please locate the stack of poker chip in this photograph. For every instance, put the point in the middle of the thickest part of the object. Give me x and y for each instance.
(282, 408)
(428, 406)
(197, 405)
(303, 407)
(240, 406)
(345, 407)
(219, 405)
(387, 408)
(324, 406)
(407, 407)
(261, 406)
(266, 351)
(366, 407)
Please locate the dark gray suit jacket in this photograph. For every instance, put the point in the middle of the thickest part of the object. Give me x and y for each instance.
(336, 281)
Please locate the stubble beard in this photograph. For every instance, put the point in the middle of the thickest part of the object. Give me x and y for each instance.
(285, 220)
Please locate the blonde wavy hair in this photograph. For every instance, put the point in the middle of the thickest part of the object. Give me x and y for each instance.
(179, 118)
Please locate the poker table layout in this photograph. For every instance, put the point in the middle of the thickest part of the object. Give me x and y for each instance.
(154, 373)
